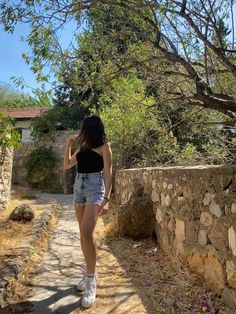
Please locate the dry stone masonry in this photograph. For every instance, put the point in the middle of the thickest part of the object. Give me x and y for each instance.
(195, 217)
(5, 175)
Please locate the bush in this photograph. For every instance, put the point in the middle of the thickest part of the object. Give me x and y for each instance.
(41, 166)
(8, 136)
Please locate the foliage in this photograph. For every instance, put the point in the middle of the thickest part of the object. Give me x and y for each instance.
(41, 166)
(144, 134)
(126, 118)
(190, 36)
(9, 98)
(67, 112)
(146, 67)
(8, 136)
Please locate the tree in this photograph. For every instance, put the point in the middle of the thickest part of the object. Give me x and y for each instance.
(10, 98)
(185, 36)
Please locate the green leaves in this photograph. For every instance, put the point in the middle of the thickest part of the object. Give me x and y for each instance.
(9, 98)
(41, 167)
(8, 136)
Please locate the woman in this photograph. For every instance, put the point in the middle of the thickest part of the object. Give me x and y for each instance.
(91, 192)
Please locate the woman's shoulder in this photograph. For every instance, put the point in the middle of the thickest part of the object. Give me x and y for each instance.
(104, 149)
(106, 146)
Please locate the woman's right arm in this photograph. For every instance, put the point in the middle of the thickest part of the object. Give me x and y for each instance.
(70, 161)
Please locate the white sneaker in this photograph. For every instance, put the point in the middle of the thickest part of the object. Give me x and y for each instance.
(89, 296)
(82, 284)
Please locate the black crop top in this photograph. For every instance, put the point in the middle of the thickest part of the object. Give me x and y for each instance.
(89, 161)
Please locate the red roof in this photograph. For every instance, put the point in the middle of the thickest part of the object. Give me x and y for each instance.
(24, 113)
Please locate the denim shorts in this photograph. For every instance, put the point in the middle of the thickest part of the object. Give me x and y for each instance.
(89, 188)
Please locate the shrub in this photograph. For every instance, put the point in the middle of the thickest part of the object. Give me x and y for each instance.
(8, 136)
(41, 166)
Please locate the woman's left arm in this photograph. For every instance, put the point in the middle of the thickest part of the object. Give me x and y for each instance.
(107, 159)
(107, 174)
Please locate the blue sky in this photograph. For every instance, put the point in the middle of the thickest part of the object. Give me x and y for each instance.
(11, 62)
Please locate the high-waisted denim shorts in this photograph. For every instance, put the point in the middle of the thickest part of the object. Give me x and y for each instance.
(89, 188)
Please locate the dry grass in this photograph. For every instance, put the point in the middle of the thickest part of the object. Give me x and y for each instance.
(12, 238)
(20, 288)
(12, 233)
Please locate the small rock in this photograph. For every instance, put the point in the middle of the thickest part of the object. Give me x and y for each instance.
(208, 198)
(202, 237)
(233, 208)
(22, 213)
(12, 270)
(232, 240)
(25, 192)
(206, 219)
(3, 283)
(215, 209)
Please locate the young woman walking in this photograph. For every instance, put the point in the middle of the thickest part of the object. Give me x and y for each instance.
(92, 190)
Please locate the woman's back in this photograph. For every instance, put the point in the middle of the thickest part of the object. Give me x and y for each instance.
(88, 160)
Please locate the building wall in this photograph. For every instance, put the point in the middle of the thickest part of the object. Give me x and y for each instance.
(6, 156)
(195, 217)
(25, 127)
(23, 124)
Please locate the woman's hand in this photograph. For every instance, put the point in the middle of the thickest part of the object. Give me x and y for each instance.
(72, 139)
(102, 209)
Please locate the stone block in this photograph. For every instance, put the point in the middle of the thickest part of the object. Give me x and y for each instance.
(155, 196)
(153, 184)
(162, 238)
(196, 263)
(213, 273)
(233, 208)
(159, 215)
(202, 237)
(164, 185)
(179, 229)
(218, 237)
(191, 231)
(180, 236)
(163, 199)
(232, 240)
(171, 225)
(215, 209)
(206, 219)
(208, 198)
(225, 181)
(231, 274)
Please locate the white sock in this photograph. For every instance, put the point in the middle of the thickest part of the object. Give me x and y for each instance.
(91, 276)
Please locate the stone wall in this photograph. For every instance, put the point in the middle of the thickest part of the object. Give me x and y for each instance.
(195, 217)
(5, 175)
(64, 183)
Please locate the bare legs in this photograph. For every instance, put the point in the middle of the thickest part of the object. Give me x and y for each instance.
(87, 218)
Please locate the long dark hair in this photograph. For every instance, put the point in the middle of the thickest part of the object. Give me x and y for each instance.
(92, 133)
